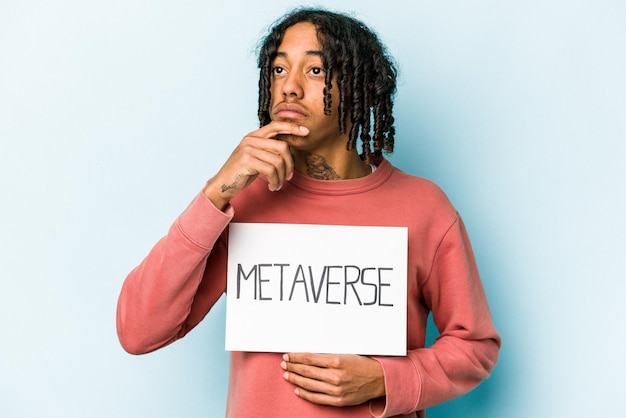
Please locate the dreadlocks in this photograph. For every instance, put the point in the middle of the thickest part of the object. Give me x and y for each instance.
(366, 77)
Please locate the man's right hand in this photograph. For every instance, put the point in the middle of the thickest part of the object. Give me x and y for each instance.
(259, 153)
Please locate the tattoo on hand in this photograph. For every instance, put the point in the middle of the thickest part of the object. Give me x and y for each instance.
(318, 168)
(231, 186)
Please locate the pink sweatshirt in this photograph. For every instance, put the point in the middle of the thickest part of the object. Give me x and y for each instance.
(182, 277)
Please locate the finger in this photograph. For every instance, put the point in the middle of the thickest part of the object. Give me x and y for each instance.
(312, 385)
(266, 157)
(274, 169)
(275, 128)
(322, 374)
(312, 359)
(322, 398)
(258, 146)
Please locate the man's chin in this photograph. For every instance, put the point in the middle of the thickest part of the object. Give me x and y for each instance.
(290, 139)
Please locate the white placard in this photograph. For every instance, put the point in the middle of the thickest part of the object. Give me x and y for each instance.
(317, 288)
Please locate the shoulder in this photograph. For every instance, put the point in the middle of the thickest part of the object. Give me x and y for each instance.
(418, 190)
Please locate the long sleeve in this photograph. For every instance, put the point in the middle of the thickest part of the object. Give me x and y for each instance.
(465, 351)
(172, 289)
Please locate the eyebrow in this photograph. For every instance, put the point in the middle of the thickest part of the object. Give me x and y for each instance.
(310, 52)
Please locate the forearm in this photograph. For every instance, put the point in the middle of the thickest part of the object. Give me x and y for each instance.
(430, 376)
(159, 295)
(467, 348)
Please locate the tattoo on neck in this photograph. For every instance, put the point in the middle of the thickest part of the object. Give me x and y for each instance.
(227, 187)
(318, 168)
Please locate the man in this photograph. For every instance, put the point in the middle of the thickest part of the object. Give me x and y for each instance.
(324, 77)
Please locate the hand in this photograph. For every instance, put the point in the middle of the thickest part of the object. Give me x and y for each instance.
(259, 153)
(334, 379)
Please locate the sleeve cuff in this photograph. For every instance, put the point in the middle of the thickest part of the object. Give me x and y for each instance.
(402, 387)
(202, 222)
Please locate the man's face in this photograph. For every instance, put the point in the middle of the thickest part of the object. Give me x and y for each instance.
(297, 90)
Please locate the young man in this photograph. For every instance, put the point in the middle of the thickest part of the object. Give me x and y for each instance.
(324, 78)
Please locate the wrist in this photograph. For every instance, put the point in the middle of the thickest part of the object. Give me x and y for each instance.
(215, 195)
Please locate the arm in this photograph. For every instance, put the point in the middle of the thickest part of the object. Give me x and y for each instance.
(465, 351)
(185, 273)
(168, 294)
(463, 355)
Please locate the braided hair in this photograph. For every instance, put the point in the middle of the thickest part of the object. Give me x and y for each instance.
(365, 75)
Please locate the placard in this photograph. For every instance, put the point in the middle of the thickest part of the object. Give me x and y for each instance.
(317, 288)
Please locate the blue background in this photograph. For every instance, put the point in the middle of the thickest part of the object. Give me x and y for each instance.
(113, 114)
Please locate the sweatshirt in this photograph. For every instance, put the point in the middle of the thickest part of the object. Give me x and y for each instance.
(184, 274)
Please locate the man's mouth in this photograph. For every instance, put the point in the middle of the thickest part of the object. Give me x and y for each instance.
(289, 111)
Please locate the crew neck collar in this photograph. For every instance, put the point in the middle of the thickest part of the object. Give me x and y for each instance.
(343, 187)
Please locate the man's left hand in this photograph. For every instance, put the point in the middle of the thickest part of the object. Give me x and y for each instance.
(334, 379)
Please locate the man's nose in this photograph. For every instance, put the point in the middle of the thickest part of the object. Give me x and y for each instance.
(293, 85)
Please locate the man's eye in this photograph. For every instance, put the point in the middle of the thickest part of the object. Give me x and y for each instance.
(278, 70)
(317, 71)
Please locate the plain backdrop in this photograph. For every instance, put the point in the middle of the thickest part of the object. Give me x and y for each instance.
(114, 113)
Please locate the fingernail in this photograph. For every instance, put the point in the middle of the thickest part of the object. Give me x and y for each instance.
(289, 176)
(283, 365)
(286, 376)
(286, 357)
(303, 129)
